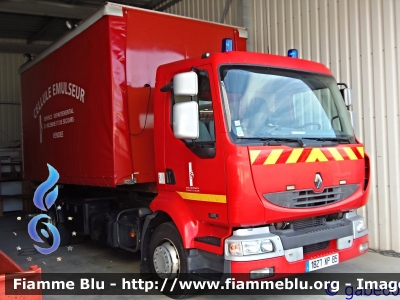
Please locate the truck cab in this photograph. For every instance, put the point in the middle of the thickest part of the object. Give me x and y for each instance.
(258, 165)
(207, 162)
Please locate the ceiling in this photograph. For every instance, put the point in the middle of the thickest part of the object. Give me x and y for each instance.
(26, 26)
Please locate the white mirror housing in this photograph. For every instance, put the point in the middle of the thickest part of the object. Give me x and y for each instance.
(186, 120)
(348, 98)
(185, 84)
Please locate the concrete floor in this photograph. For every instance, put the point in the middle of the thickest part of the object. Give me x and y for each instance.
(91, 257)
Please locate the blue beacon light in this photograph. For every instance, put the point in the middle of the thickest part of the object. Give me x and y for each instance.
(293, 53)
(227, 45)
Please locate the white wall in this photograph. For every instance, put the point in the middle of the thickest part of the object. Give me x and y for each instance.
(358, 40)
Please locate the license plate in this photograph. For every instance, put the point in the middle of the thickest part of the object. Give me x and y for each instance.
(322, 262)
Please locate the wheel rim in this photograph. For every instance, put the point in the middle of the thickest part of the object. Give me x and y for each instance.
(166, 260)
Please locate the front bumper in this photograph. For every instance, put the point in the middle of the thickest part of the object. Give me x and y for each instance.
(293, 247)
(245, 254)
(282, 266)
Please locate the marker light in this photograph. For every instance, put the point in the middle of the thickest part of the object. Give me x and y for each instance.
(293, 53)
(227, 45)
(290, 187)
(235, 248)
(361, 226)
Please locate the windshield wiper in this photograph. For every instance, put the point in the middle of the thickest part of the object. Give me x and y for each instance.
(274, 139)
(336, 139)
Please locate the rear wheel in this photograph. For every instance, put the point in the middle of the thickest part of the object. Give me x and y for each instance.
(169, 259)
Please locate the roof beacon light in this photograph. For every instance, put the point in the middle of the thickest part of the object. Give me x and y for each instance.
(227, 45)
(293, 53)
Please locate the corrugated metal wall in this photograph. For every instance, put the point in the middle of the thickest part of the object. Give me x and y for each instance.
(209, 10)
(10, 114)
(359, 41)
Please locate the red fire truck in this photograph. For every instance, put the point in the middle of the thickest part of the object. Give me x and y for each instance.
(206, 158)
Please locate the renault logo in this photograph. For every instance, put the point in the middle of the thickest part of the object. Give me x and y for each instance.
(318, 181)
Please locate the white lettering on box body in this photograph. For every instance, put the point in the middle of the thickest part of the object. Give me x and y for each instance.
(59, 134)
(57, 88)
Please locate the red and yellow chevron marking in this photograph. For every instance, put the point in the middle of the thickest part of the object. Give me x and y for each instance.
(305, 155)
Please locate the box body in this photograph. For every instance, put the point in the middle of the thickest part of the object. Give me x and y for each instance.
(87, 100)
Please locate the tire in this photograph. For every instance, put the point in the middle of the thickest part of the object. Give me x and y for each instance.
(65, 234)
(169, 259)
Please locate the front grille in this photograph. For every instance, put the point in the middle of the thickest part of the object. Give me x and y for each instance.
(309, 198)
(308, 223)
(315, 247)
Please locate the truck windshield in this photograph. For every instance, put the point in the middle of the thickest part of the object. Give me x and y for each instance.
(263, 103)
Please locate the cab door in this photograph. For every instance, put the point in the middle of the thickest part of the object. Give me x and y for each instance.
(197, 166)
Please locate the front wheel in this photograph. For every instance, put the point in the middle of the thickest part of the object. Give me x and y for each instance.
(169, 259)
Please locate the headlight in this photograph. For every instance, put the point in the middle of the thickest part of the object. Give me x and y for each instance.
(267, 246)
(361, 226)
(250, 247)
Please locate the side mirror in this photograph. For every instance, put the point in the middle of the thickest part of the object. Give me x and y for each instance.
(348, 98)
(347, 94)
(186, 120)
(185, 84)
